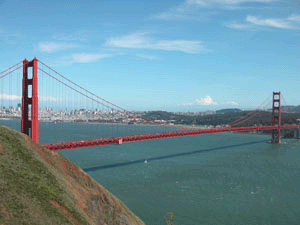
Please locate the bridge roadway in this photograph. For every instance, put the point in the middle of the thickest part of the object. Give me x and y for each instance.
(144, 137)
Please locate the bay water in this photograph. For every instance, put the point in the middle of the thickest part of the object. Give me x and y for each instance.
(231, 178)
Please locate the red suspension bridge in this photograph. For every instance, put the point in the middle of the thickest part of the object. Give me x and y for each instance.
(53, 98)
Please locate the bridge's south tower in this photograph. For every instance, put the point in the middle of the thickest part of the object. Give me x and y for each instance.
(30, 101)
(276, 111)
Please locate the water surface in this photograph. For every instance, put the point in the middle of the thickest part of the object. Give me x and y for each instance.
(206, 179)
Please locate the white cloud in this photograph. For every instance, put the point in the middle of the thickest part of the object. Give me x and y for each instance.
(86, 58)
(270, 22)
(15, 97)
(294, 17)
(205, 3)
(70, 59)
(189, 9)
(10, 97)
(146, 56)
(202, 101)
(291, 22)
(206, 101)
(140, 40)
(173, 16)
(9, 34)
(184, 11)
(55, 46)
(79, 36)
(231, 103)
(185, 46)
(188, 104)
(47, 98)
(209, 101)
(134, 40)
(238, 26)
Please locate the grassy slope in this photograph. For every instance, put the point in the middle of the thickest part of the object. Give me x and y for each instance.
(38, 186)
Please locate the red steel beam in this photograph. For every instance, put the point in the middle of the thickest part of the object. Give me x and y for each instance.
(30, 127)
(144, 137)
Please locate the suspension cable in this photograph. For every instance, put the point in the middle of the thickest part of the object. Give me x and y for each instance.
(10, 67)
(75, 89)
(250, 114)
(116, 106)
(10, 72)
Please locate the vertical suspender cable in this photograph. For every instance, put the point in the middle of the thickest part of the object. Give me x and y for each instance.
(17, 83)
(10, 100)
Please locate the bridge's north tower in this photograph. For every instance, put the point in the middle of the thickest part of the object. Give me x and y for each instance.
(276, 116)
(30, 126)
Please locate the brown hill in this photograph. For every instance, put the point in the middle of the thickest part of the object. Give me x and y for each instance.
(38, 186)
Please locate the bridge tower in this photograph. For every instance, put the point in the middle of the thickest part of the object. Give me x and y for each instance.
(30, 101)
(276, 116)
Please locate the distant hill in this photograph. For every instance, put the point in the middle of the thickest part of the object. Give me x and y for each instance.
(160, 115)
(222, 111)
(290, 109)
(38, 186)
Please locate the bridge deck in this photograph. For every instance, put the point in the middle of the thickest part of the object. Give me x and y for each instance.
(144, 137)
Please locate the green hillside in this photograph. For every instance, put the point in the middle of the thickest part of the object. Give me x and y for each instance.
(38, 186)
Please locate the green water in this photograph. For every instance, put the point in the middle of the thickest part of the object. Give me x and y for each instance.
(207, 179)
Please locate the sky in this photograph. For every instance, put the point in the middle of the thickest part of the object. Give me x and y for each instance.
(186, 55)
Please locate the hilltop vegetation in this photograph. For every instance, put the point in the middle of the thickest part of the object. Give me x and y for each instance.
(38, 186)
(225, 117)
(291, 108)
(222, 111)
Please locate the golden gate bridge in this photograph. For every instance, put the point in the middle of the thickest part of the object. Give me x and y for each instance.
(73, 103)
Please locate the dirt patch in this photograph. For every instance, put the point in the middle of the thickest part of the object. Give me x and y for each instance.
(1, 150)
(4, 216)
(66, 212)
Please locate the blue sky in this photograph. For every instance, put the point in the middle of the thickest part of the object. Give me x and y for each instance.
(188, 55)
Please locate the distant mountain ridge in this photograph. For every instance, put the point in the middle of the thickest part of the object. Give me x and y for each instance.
(285, 108)
(290, 109)
(230, 110)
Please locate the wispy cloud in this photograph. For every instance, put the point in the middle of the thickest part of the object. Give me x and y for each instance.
(140, 40)
(86, 58)
(173, 15)
(77, 36)
(150, 57)
(271, 22)
(238, 26)
(4, 33)
(291, 22)
(48, 99)
(70, 59)
(15, 97)
(55, 46)
(189, 9)
(294, 18)
(209, 3)
(10, 97)
(184, 11)
(231, 103)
